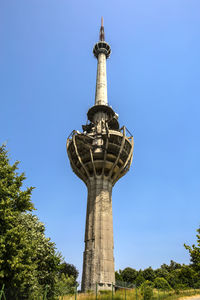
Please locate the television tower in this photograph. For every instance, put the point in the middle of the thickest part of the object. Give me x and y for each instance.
(100, 156)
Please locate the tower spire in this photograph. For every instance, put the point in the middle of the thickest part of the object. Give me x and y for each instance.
(102, 52)
(102, 34)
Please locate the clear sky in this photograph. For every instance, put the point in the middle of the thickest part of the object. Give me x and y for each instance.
(47, 84)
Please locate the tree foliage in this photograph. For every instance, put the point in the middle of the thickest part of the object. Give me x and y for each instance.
(65, 285)
(15, 253)
(174, 276)
(118, 276)
(147, 289)
(139, 279)
(44, 258)
(129, 275)
(194, 252)
(28, 260)
(68, 270)
(149, 274)
(161, 283)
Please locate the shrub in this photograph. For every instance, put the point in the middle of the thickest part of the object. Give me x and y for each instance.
(147, 289)
(139, 280)
(145, 284)
(148, 293)
(180, 286)
(162, 284)
(65, 285)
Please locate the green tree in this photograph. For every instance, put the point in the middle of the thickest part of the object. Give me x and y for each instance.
(161, 272)
(148, 293)
(185, 276)
(129, 275)
(43, 253)
(65, 285)
(194, 252)
(147, 289)
(161, 283)
(149, 274)
(173, 266)
(173, 278)
(15, 264)
(28, 260)
(68, 270)
(139, 279)
(118, 275)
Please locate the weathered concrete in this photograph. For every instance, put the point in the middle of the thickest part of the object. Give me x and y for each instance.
(98, 261)
(100, 156)
(101, 97)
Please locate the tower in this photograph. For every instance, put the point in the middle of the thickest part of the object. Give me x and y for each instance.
(100, 156)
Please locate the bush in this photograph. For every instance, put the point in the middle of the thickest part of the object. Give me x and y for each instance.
(147, 289)
(180, 286)
(139, 280)
(162, 284)
(197, 285)
(65, 285)
(148, 293)
(145, 284)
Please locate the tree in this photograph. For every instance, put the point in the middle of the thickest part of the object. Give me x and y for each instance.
(162, 284)
(162, 272)
(69, 270)
(118, 276)
(148, 293)
(43, 253)
(194, 252)
(185, 276)
(140, 279)
(15, 268)
(173, 278)
(149, 274)
(173, 266)
(65, 285)
(129, 275)
(28, 260)
(147, 289)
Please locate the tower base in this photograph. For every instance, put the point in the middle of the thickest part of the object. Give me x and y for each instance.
(98, 260)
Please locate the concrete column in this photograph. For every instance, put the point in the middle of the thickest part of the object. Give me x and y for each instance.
(101, 82)
(98, 260)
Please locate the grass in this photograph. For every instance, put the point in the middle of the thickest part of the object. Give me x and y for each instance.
(131, 295)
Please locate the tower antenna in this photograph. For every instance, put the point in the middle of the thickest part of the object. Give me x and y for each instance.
(102, 34)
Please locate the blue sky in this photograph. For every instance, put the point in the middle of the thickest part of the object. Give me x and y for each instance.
(47, 84)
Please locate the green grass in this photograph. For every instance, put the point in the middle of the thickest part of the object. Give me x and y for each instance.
(131, 295)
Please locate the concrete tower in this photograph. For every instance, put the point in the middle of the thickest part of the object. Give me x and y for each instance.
(100, 156)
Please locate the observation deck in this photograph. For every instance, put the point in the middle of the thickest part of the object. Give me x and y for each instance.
(111, 158)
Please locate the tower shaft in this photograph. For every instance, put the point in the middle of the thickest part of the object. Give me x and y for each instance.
(101, 82)
(98, 260)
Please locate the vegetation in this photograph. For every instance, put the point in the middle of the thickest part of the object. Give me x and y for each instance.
(29, 261)
(134, 294)
(162, 284)
(194, 252)
(170, 276)
(68, 270)
(174, 276)
(30, 264)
